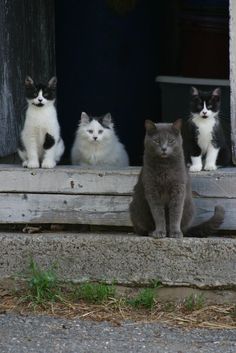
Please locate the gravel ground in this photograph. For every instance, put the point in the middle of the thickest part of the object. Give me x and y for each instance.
(43, 334)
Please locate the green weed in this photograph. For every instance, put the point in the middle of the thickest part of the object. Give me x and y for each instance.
(194, 302)
(144, 299)
(95, 292)
(42, 285)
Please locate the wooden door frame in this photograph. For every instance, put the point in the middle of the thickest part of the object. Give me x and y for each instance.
(232, 59)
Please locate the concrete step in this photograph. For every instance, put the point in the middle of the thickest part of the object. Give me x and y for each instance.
(124, 258)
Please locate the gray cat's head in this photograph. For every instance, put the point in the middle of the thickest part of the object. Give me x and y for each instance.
(163, 140)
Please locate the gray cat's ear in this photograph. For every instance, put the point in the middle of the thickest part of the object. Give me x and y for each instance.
(150, 126)
(28, 81)
(177, 125)
(84, 119)
(216, 92)
(107, 119)
(52, 83)
(194, 91)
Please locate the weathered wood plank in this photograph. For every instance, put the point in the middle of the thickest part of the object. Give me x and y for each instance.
(232, 58)
(215, 185)
(87, 209)
(67, 180)
(27, 48)
(205, 208)
(69, 209)
(75, 180)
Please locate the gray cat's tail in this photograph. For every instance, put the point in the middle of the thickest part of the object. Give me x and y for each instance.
(208, 227)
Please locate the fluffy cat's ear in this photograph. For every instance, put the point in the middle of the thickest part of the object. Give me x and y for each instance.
(216, 92)
(28, 81)
(52, 83)
(194, 91)
(150, 127)
(177, 125)
(84, 119)
(107, 120)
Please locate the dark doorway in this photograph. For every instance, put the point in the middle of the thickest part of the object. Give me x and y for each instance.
(108, 53)
(107, 59)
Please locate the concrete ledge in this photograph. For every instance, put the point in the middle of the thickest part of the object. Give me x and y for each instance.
(128, 259)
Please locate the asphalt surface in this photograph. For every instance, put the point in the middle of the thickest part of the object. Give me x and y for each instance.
(43, 334)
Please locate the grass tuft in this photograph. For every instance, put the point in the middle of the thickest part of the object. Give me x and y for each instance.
(43, 285)
(95, 293)
(144, 299)
(194, 302)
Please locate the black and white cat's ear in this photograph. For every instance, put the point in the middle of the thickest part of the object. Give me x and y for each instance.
(150, 127)
(216, 92)
(28, 81)
(52, 83)
(177, 125)
(194, 91)
(84, 119)
(107, 120)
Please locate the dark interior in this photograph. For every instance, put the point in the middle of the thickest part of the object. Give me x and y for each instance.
(108, 53)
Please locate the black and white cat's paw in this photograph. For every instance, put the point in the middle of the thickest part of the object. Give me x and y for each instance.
(32, 164)
(25, 164)
(210, 167)
(195, 168)
(48, 163)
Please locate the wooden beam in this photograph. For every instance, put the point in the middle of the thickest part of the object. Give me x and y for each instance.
(232, 58)
(79, 181)
(91, 209)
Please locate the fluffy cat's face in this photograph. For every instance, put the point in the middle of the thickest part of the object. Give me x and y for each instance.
(40, 95)
(96, 129)
(205, 104)
(163, 139)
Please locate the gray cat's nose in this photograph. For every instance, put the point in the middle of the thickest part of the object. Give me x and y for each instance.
(95, 138)
(164, 149)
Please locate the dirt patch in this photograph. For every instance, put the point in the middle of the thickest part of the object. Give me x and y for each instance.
(218, 309)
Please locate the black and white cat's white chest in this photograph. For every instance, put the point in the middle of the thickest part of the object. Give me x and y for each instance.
(205, 132)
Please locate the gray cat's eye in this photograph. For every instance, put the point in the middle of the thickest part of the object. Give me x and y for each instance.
(90, 131)
(100, 131)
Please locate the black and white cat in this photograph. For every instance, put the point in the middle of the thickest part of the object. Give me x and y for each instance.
(205, 136)
(96, 143)
(40, 138)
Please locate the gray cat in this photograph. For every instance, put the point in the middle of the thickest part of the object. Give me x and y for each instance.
(162, 202)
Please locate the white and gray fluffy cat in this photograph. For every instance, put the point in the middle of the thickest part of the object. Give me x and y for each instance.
(96, 143)
(40, 138)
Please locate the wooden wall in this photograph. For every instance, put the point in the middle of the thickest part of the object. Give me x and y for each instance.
(27, 47)
(233, 75)
(73, 195)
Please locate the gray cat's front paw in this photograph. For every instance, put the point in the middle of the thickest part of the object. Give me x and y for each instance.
(158, 234)
(176, 235)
